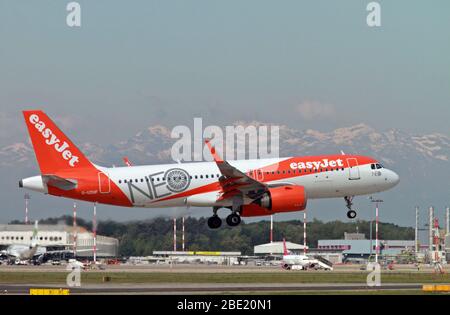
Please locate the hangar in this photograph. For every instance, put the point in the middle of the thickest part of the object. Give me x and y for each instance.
(277, 248)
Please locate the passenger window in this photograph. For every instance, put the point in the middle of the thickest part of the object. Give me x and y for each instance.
(206, 176)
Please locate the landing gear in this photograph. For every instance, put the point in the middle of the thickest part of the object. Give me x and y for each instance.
(351, 214)
(214, 222)
(233, 219)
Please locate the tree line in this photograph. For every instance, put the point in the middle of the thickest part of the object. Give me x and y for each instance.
(141, 238)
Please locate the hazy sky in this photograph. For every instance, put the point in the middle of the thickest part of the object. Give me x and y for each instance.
(311, 64)
(306, 64)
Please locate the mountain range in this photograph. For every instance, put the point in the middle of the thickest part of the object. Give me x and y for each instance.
(422, 161)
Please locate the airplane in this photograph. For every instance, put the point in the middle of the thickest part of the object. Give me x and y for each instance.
(247, 188)
(25, 252)
(290, 260)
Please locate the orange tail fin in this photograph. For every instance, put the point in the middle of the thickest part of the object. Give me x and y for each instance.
(285, 251)
(54, 150)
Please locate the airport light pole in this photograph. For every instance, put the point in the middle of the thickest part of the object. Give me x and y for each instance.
(430, 227)
(271, 228)
(447, 220)
(75, 232)
(94, 227)
(174, 234)
(370, 234)
(416, 232)
(182, 236)
(27, 198)
(304, 232)
(377, 247)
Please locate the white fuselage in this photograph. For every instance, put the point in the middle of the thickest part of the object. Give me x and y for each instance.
(146, 186)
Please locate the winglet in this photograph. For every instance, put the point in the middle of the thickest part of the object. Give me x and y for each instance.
(126, 161)
(216, 157)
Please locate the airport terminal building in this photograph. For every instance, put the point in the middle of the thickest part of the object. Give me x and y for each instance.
(355, 247)
(59, 237)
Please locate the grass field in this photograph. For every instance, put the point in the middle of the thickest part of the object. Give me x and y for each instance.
(264, 277)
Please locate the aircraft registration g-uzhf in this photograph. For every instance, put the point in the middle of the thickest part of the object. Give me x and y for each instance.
(247, 188)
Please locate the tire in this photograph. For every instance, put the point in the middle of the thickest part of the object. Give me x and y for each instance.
(233, 219)
(351, 214)
(214, 222)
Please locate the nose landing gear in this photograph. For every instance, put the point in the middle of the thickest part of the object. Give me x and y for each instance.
(351, 214)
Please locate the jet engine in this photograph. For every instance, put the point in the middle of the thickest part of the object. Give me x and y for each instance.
(286, 198)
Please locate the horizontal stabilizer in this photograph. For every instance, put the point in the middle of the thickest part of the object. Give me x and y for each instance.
(59, 182)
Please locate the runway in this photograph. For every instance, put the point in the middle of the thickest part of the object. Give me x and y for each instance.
(202, 268)
(202, 288)
(213, 279)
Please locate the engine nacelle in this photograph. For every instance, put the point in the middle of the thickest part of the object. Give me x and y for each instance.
(286, 198)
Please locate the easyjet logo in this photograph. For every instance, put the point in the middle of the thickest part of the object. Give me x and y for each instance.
(324, 163)
(53, 140)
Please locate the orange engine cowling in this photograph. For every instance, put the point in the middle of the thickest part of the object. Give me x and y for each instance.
(279, 199)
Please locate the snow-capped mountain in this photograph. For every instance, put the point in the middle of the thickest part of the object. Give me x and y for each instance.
(153, 145)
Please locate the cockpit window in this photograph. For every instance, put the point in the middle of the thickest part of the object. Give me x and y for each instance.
(372, 166)
(379, 166)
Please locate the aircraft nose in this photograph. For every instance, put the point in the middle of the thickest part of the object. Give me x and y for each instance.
(394, 178)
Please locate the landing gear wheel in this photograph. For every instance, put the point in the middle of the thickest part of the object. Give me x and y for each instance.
(233, 219)
(351, 214)
(214, 222)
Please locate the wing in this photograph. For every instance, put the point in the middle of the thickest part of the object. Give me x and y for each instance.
(235, 182)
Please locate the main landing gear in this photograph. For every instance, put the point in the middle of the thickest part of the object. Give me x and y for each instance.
(233, 219)
(215, 221)
(351, 214)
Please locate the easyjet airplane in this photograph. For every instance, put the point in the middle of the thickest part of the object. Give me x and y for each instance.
(245, 187)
